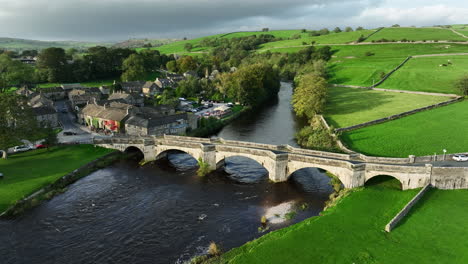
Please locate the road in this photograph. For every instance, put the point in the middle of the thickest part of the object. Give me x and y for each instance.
(69, 125)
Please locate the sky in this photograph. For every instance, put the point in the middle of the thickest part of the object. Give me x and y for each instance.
(114, 20)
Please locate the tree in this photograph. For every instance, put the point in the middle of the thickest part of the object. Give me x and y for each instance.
(16, 120)
(188, 88)
(462, 85)
(188, 47)
(337, 30)
(324, 31)
(133, 67)
(359, 28)
(265, 29)
(171, 66)
(186, 63)
(13, 72)
(310, 95)
(395, 25)
(53, 63)
(349, 29)
(51, 138)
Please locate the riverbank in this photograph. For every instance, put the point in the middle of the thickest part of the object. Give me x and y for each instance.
(352, 232)
(28, 172)
(211, 126)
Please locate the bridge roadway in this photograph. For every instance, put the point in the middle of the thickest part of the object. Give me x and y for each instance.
(353, 169)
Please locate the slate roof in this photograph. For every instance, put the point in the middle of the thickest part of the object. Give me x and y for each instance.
(108, 113)
(154, 120)
(44, 110)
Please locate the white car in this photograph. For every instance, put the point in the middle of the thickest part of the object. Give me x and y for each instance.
(460, 157)
(22, 148)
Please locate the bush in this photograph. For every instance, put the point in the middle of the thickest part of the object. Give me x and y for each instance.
(369, 53)
(214, 249)
(204, 168)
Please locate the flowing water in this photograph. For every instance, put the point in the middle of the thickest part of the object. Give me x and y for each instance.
(163, 212)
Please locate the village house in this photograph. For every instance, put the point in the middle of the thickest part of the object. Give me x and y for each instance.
(103, 117)
(40, 100)
(158, 125)
(25, 91)
(70, 86)
(129, 98)
(133, 87)
(54, 93)
(164, 83)
(174, 77)
(46, 116)
(80, 97)
(105, 89)
(150, 89)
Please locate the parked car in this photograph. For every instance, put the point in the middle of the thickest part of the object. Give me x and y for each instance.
(460, 158)
(41, 146)
(64, 110)
(230, 105)
(22, 148)
(69, 133)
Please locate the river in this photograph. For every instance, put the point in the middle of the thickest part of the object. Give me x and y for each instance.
(163, 212)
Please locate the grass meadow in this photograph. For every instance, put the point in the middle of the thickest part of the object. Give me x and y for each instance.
(416, 34)
(348, 106)
(27, 172)
(421, 134)
(352, 232)
(425, 74)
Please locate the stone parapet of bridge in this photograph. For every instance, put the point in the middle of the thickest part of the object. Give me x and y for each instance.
(281, 161)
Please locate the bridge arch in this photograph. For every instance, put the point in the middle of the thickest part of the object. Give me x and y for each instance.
(266, 162)
(135, 150)
(162, 150)
(243, 169)
(377, 178)
(343, 174)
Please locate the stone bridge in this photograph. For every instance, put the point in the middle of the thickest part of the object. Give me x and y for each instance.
(281, 161)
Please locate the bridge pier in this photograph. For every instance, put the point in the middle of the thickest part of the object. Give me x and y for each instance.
(209, 155)
(278, 172)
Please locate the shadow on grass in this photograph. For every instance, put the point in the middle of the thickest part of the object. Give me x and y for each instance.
(417, 207)
(384, 181)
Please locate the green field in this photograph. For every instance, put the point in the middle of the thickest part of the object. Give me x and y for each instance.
(27, 172)
(332, 38)
(348, 106)
(426, 74)
(350, 65)
(421, 134)
(352, 232)
(417, 34)
(276, 33)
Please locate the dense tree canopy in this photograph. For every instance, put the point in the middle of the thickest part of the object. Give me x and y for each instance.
(310, 95)
(13, 72)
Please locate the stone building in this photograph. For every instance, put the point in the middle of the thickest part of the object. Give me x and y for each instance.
(133, 87)
(163, 83)
(70, 86)
(157, 125)
(103, 117)
(80, 97)
(40, 100)
(46, 116)
(129, 98)
(150, 89)
(54, 93)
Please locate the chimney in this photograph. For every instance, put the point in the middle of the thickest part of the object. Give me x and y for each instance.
(127, 110)
(94, 98)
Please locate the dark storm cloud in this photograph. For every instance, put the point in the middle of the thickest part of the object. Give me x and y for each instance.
(121, 19)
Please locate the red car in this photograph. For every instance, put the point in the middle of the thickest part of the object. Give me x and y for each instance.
(41, 146)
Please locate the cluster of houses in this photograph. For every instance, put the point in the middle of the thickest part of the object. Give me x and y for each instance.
(121, 112)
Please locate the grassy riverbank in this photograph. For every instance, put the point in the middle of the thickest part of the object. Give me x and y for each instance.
(27, 172)
(352, 232)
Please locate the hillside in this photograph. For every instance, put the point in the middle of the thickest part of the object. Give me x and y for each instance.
(27, 44)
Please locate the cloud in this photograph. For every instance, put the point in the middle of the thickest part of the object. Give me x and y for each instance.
(419, 16)
(123, 19)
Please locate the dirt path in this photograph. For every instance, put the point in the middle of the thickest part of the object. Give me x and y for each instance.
(458, 33)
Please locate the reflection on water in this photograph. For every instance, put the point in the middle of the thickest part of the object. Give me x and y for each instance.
(164, 212)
